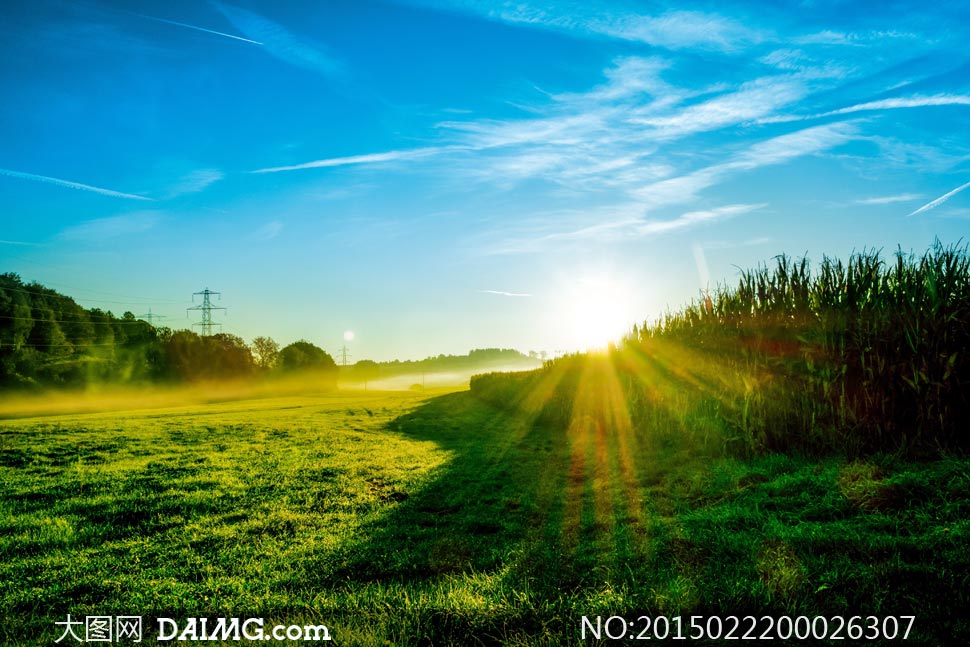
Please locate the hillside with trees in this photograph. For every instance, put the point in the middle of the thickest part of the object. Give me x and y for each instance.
(47, 339)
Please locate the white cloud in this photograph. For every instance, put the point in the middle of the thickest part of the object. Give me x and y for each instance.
(196, 181)
(890, 199)
(693, 218)
(100, 229)
(776, 150)
(882, 104)
(943, 198)
(628, 223)
(713, 245)
(270, 230)
(751, 101)
(19, 243)
(505, 294)
(71, 185)
(352, 160)
(674, 29)
(203, 29)
(280, 42)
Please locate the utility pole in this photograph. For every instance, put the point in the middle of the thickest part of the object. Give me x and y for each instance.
(150, 318)
(343, 353)
(206, 307)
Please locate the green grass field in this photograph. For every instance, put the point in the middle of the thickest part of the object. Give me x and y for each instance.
(411, 518)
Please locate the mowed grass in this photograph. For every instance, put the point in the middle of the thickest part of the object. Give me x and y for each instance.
(423, 519)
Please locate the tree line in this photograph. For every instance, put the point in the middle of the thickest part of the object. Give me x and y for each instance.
(47, 339)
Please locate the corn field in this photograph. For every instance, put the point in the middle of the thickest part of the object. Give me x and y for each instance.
(853, 358)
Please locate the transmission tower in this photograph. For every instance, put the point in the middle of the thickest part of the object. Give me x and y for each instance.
(344, 355)
(206, 307)
(150, 318)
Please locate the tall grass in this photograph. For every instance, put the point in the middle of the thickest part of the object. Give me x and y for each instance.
(861, 356)
(852, 358)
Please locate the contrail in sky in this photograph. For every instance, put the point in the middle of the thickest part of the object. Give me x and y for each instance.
(940, 200)
(208, 31)
(505, 294)
(72, 185)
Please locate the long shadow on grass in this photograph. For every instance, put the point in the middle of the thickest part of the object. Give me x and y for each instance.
(514, 495)
(554, 513)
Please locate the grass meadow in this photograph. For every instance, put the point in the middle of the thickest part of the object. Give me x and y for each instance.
(439, 518)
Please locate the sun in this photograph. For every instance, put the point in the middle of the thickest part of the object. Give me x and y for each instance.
(596, 311)
(349, 335)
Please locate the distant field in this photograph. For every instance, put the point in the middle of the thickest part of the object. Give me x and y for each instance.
(431, 518)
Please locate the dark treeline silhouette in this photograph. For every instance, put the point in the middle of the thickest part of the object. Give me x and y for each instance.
(478, 358)
(47, 339)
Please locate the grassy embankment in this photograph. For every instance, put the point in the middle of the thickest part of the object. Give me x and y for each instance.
(415, 520)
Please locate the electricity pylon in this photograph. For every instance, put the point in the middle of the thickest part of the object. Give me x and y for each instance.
(150, 318)
(206, 307)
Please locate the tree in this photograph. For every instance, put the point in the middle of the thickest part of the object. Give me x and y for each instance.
(229, 355)
(266, 351)
(366, 370)
(302, 355)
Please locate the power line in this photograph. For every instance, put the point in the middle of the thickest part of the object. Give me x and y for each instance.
(49, 292)
(344, 354)
(206, 307)
(115, 322)
(79, 346)
(150, 318)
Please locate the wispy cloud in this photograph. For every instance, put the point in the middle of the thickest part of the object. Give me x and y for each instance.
(776, 150)
(19, 243)
(890, 199)
(750, 102)
(882, 104)
(100, 229)
(712, 245)
(628, 224)
(506, 294)
(693, 218)
(196, 182)
(856, 39)
(197, 28)
(71, 185)
(280, 42)
(943, 198)
(674, 29)
(370, 158)
(956, 213)
(270, 230)
(630, 220)
(607, 139)
(808, 65)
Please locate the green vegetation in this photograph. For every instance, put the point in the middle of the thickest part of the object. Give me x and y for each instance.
(395, 517)
(48, 340)
(850, 360)
(866, 356)
(443, 370)
(788, 447)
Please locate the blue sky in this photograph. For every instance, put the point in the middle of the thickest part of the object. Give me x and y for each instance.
(441, 175)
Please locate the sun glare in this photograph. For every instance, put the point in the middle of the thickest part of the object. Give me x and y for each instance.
(596, 312)
(349, 335)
